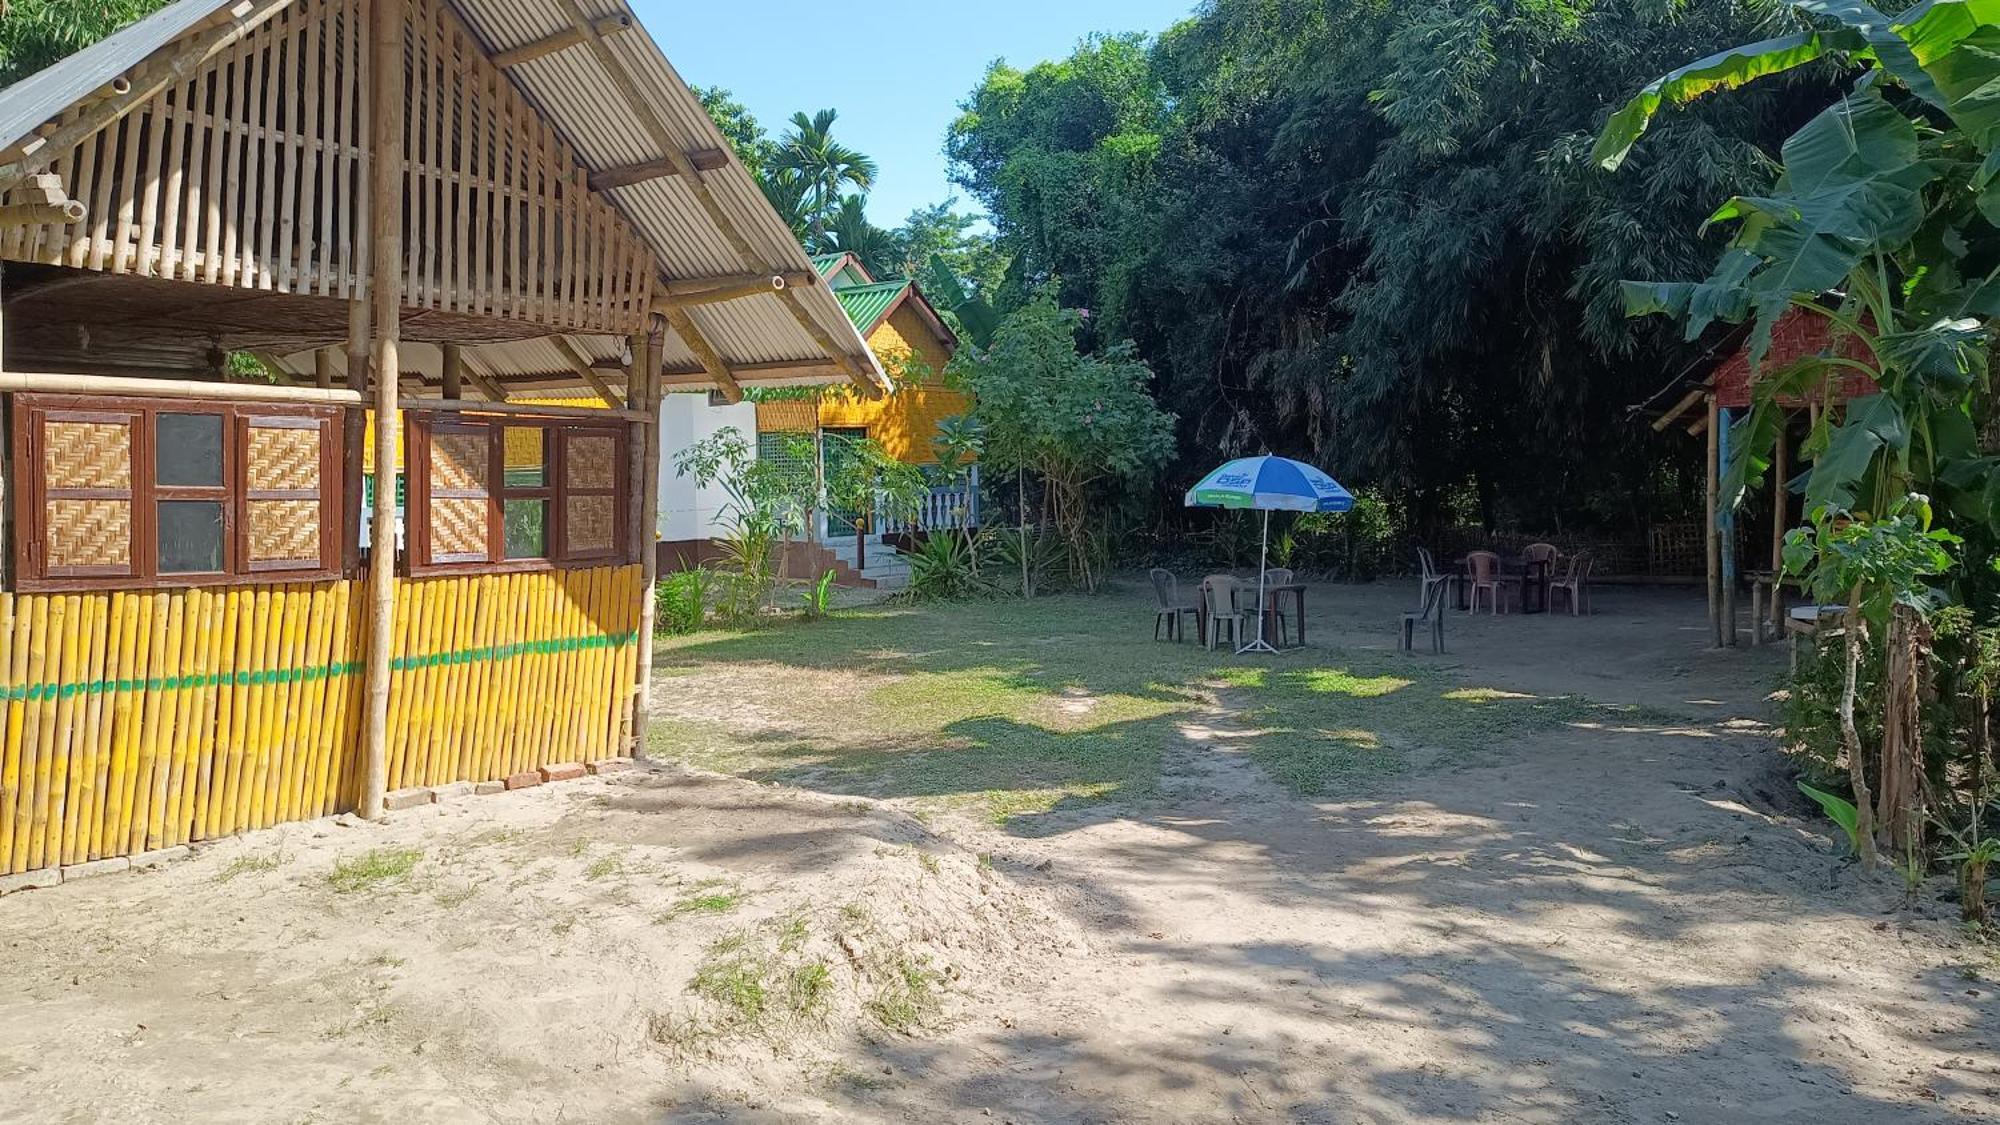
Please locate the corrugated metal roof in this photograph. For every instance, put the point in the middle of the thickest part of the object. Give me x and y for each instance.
(40, 97)
(866, 305)
(825, 264)
(582, 100)
(576, 93)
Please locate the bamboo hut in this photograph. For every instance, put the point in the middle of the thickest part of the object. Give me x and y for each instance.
(1714, 403)
(217, 612)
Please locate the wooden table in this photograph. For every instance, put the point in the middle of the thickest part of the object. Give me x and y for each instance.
(1524, 573)
(1272, 626)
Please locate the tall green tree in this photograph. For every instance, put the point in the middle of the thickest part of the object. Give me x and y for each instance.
(826, 167)
(1370, 235)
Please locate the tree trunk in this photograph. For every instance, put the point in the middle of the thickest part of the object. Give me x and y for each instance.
(1899, 809)
(1850, 737)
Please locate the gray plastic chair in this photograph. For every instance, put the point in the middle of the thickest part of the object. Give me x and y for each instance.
(1171, 605)
(1221, 606)
(1431, 611)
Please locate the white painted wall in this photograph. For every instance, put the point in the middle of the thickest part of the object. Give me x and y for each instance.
(687, 512)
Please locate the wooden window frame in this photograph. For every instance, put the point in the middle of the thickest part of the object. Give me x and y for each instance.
(31, 493)
(556, 435)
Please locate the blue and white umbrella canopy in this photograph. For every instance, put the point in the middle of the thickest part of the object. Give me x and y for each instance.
(1270, 484)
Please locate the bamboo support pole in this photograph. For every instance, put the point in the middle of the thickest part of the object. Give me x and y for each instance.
(646, 373)
(1780, 519)
(526, 409)
(1712, 497)
(39, 214)
(385, 289)
(454, 370)
(701, 159)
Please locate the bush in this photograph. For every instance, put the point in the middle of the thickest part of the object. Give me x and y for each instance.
(946, 567)
(680, 600)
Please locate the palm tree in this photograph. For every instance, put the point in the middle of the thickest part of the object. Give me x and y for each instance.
(786, 191)
(824, 164)
(850, 231)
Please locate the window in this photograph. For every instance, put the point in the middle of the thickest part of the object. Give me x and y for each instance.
(517, 493)
(141, 493)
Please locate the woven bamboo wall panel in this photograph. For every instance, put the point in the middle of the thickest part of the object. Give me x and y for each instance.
(284, 458)
(459, 462)
(135, 721)
(590, 523)
(284, 530)
(246, 175)
(458, 527)
(499, 673)
(591, 462)
(87, 454)
(89, 533)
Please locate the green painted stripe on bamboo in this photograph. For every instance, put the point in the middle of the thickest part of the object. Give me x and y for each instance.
(265, 677)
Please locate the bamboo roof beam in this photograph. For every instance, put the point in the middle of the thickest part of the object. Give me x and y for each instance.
(1686, 404)
(563, 40)
(581, 363)
(38, 214)
(681, 294)
(649, 118)
(164, 69)
(482, 376)
(701, 159)
(711, 362)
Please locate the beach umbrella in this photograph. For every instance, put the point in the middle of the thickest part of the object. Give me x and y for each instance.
(1268, 484)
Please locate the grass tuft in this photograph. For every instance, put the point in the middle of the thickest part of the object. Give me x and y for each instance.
(249, 865)
(373, 869)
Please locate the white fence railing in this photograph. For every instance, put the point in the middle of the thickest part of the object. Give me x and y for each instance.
(942, 509)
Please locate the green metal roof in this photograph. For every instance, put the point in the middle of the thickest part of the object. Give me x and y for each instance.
(824, 263)
(865, 304)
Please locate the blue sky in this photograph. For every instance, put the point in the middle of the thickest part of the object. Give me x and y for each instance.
(895, 69)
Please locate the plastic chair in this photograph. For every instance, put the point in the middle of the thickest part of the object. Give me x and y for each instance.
(1171, 605)
(1429, 575)
(1220, 606)
(1541, 553)
(1485, 566)
(1433, 612)
(1572, 583)
(1278, 576)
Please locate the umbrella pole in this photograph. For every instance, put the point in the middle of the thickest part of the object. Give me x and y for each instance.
(1263, 564)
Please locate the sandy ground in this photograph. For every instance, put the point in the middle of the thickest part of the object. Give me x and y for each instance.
(1617, 924)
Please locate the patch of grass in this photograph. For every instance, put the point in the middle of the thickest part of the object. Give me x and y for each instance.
(456, 897)
(733, 981)
(792, 933)
(249, 865)
(374, 869)
(1023, 709)
(713, 902)
(603, 868)
(808, 988)
(906, 998)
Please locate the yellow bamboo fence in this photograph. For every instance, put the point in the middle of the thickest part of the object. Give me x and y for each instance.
(143, 720)
(498, 674)
(138, 721)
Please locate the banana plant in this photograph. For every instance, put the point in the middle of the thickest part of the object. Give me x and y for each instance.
(1885, 222)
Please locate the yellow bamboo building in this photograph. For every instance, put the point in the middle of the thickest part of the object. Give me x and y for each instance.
(237, 235)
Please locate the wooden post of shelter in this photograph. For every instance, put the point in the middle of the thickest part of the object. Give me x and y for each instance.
(454, 370)
(1780, 518)
(386, 289)
(642, 389)
(1713, 495)
(1726, 534)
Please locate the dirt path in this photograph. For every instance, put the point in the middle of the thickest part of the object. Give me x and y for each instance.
(1617, 925)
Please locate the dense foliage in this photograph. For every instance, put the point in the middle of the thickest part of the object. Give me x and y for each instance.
(35, 33)
(1370, 235)
(1885, 222)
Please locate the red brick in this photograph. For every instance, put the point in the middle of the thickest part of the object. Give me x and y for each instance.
(527, 779)
(562, 771)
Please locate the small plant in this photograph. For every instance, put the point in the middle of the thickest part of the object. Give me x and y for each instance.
(808, 987)
(1972, 864)
(716, 902)
(906, 1000)
(734, 982)
(1841, 810)
(603, 868)
(818, 597)
(945, 567)
(249, 865)
(681, 599)
(383, 865)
